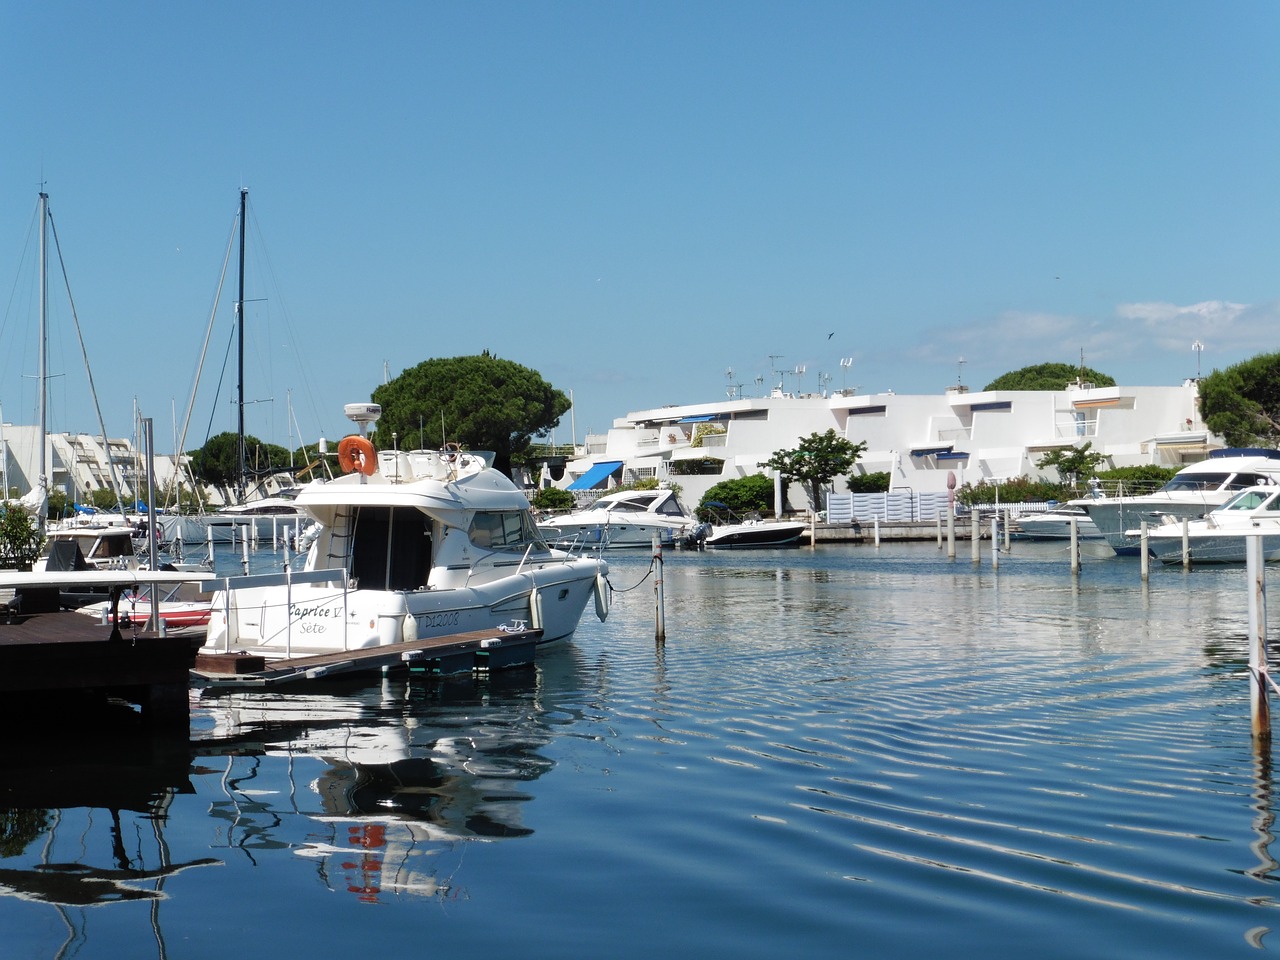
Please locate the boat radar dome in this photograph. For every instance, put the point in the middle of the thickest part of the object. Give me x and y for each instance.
(362, 412)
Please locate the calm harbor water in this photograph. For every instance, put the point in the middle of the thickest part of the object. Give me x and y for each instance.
(847, 752)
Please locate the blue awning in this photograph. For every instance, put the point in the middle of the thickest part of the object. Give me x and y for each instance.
(598, 473)
(702, 419)
(930, 451)
(954, 455)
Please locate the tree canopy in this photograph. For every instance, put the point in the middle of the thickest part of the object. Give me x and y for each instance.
(742, 495)
(1075, 465)
(817, 458)
(217, 463)
(484, 403)
(1048, 376)
(1242, 402)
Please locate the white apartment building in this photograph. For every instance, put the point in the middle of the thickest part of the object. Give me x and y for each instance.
(917, 439)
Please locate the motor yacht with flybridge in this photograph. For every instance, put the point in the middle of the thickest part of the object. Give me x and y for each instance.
(1193, 492)
(409, 545)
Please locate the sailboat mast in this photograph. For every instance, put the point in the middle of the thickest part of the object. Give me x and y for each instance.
(244, 193)
(42, 473)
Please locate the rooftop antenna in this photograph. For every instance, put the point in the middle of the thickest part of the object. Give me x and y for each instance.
(800, 370)
(773, 368)
(845, 364)
(960, 375)
(730, 390)
(1198, 347)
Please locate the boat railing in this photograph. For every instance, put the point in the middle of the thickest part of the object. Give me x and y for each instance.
(287, 579)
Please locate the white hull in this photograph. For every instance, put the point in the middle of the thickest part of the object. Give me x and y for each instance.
(320, 618)
(1053, 525)
(423, 546)
(741, 536)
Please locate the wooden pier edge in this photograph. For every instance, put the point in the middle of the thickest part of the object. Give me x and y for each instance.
(459, 653)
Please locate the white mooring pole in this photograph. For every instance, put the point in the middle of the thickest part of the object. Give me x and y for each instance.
(661, 634)
(1259, 710)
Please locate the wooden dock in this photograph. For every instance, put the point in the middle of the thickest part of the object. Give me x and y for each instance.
(47, 660)
(459, 653)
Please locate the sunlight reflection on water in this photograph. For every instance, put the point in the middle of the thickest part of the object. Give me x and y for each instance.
(836, 752)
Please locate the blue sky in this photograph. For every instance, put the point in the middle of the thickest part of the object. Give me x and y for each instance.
(633, 198)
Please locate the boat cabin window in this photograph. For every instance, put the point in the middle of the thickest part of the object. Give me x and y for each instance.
(390, 548)
(1242, 481)
(1252, 500)
(670, 507)
(108, 547)
(503, 529)
(631, 505)
(1197, 481)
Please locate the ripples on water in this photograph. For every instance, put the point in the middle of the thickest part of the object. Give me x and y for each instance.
(838, 753)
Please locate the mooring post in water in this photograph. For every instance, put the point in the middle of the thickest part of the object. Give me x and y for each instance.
(1075, 547)
(244, 551)
(1008, 524)
(208, 531)
(877, 522)
(1259, 710)
(951, 532)
(938, 518)
(1186, 544)
(661, 634)
(995, 541)
(1145, 562)
(975, 536)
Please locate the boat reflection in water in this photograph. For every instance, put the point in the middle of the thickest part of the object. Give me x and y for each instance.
(389, 778)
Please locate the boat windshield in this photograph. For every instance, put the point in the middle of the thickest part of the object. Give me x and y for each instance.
(1253, 499)
(503, 530)
(1194, 482)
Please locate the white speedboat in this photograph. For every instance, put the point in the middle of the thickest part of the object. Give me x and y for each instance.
(1054, 524)
(1220, 536)
(1194, 491)
(753, 531)
(410, 545)
(631, 518)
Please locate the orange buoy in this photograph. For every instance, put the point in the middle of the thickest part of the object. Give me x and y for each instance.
(356, 454)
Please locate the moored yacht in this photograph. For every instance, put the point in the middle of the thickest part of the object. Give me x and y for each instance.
(1194, 491)
(1220, 536)
(409, 545)
(630, 518)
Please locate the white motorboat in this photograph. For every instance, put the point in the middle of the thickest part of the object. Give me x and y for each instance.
(1221, 535)
(1054, 524)
(631, 518)
(1194, 491)
(410, 545)
(751, 531)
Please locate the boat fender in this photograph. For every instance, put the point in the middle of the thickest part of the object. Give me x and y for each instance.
(602, 596)
(409, 632)
(357, 454)
(535, 609)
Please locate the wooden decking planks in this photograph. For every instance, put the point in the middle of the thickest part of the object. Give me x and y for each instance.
(455, 653)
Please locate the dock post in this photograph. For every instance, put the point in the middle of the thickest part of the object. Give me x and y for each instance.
(1075, 547)
(975, 537)
(661, 634)
(938, 518)
(995, 541)
(244, 552)
(1259, 710)
(1186, 544)
(877, 523)
(951, 532)
(1142, 552)
(208, 533)
(1008, 518)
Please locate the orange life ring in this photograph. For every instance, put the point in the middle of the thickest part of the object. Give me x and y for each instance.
(357, 454)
